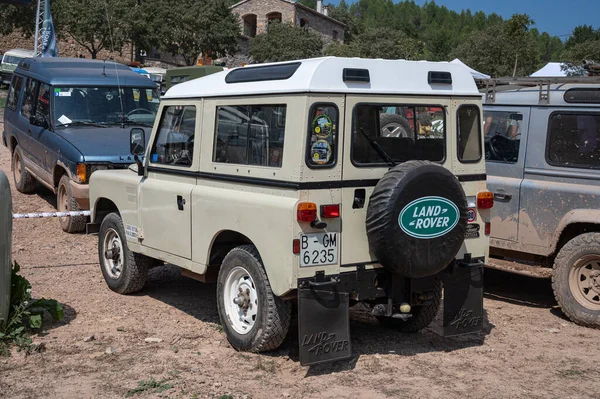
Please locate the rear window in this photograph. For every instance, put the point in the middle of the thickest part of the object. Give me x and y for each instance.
(403, 132)
(469, 133)
(322, 136)
(13, 93)
(574, 140)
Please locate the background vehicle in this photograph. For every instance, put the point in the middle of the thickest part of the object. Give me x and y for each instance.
(179, 75)
(67, 118)
(250, 174)
(158, 76)
(9, 63)
(543, 160)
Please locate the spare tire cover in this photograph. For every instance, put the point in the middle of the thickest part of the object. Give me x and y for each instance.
(417, 219)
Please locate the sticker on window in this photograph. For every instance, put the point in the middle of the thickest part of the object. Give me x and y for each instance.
(322, 135)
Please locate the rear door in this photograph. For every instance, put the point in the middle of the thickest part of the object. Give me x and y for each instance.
(405, 128)
(505, 128)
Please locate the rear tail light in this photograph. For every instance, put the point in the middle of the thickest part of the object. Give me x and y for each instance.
(296, 246)
(488, 228)
(485, 200)
(330, 211)
(307, 212)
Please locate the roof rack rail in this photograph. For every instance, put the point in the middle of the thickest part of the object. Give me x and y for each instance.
(491, 85)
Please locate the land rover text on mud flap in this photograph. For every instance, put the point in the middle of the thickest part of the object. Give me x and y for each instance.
(316, 181)
(542, 145)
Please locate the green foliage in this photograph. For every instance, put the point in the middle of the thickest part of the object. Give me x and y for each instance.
(24, 314)
(309, 3)
(284, 42)
(190, 28)
(150, 385)
(17, 17)
(379, 43)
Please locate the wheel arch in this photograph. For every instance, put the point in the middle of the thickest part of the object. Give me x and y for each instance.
(102, 208)
(223, 242)
(12, 144)
(573, 224)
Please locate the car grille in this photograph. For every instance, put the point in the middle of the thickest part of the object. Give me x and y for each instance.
(5, 76)
(91, 168)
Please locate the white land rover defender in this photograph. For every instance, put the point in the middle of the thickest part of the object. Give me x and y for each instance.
(321, 183)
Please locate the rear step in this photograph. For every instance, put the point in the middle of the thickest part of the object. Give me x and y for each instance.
(524, 269)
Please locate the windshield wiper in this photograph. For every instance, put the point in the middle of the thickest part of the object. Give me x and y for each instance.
(80, 123)
(378, 149)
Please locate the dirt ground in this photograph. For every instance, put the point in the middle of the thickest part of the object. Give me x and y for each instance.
(527, 349)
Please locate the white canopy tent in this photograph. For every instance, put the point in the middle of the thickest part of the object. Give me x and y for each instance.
(551, 69)
(474, 73)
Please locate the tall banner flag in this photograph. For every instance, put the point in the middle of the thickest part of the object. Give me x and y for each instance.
(49, 48)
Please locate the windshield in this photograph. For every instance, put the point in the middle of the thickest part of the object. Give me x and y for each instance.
(385, 134)
(105, 105)
(11, 59)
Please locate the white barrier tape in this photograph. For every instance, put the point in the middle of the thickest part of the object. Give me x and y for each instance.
(49, 215)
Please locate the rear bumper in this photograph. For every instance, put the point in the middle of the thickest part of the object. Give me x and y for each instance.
(81, 193)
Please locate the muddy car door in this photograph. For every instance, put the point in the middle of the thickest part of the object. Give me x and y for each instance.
(505, 131)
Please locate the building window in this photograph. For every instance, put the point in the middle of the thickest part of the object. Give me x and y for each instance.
(303, 23)
(336, 35)
(274, 17)
(250, 25)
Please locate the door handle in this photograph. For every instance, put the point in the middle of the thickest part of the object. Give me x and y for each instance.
(359, 198)
(502, 197)
(29, 132)
(180, 202)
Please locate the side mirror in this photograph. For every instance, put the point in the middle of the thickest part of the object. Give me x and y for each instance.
(38, 120)
(137, 141)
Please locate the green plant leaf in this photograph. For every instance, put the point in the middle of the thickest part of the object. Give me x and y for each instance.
(35, 321)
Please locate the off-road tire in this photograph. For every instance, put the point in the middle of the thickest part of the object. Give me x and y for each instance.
(274, 314)
(71, 224)
(422, 316)
(26, 184)
(407, 130)
(135, 268)
(580, 246)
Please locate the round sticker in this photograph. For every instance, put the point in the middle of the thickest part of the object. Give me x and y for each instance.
(320, 152)
(322, 126)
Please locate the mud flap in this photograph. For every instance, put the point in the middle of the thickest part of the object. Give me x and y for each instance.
(323, 326)
(463, 300)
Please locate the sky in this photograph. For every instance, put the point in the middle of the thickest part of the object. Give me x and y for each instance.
(557, 17)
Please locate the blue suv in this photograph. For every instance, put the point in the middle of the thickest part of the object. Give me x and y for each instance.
(66, 118)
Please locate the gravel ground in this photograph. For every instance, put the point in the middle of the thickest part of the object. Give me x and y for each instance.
(527, 349)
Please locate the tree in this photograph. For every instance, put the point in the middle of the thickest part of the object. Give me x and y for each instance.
(582, 34)
(380, 43)
(194, 27)
(17, 17)
(342, 13)
(283, 42)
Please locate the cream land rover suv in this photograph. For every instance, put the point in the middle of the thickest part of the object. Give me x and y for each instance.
(319, 183)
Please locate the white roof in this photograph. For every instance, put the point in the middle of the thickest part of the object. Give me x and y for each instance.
(324, 75)
(551, 69)
(19, 52)
(474, 73)
(159, 71)
(531, 95)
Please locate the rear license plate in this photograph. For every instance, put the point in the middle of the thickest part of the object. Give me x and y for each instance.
(319, 249)
(323, 326)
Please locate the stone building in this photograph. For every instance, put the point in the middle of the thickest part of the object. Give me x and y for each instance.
(255, 16)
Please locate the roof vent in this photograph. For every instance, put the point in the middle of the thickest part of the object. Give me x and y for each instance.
(262, 73)
(439, 77)
(356, 75)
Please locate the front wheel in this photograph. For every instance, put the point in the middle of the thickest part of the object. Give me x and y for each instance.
(576, 279)
(254, 319)
(65, 202)
(124, 271)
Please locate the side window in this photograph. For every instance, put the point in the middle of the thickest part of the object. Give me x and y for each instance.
(574, 140)
(29, 98)
(469, 133)
(13, 93)
(322, 136)
(42, 108)
(502, 132)
(174, 142)
(250, 134)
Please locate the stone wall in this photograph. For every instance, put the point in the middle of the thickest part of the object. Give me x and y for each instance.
(261, 9)
(66, 48)
(326, 27)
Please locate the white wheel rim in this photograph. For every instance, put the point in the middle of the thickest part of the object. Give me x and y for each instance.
(394, 129)
(241, 300)
(112, 251)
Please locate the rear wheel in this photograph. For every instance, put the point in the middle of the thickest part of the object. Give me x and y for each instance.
(254, 319)
(422, 316)
(66, 203)
(24, 181)
(576, 279)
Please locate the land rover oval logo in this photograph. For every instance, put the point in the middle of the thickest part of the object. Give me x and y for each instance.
(428, 217)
